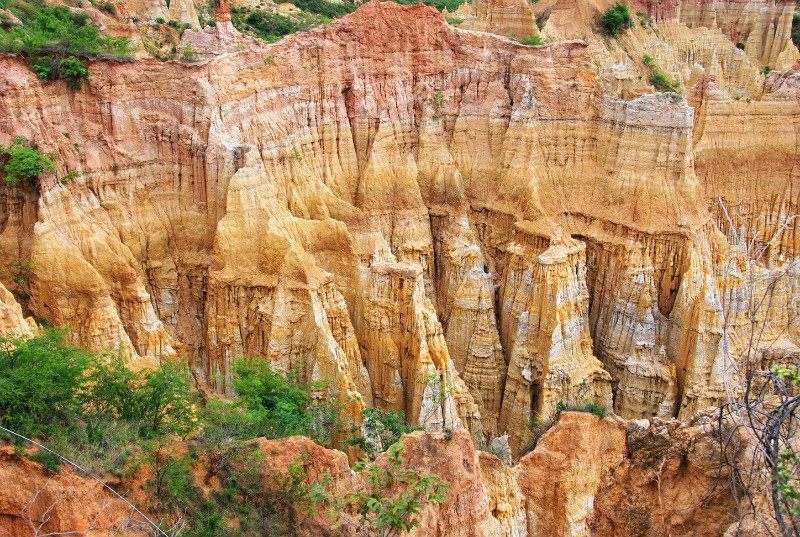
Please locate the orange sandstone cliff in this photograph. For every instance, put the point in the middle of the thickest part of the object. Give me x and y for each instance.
(438, 221)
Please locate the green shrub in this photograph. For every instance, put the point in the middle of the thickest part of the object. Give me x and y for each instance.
(451, 5)
(158, 399)
(50, 463)
(188, 53)
(766, 70)
(298, 495)
(382, 429)
(23, 162)
(396, 495)
(532, 39)
(657, 77)
(324, 7)
(224, 429)
(282, 406)
(660, 81)
(616, 18)
(40, 380)
(271, 26)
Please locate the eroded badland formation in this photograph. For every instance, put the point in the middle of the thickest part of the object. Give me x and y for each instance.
(442, 221)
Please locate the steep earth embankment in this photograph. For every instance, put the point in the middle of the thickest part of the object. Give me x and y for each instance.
(586, 477)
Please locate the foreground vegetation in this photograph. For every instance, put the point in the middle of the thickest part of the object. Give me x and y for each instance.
(94, 411)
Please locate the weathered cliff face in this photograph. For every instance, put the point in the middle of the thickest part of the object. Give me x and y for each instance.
(513, 18)
(586, 477)
(12, 323)
(442, 222)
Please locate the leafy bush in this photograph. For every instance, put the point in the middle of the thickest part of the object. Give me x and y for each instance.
(324, 7)
(50, 463)
(396, 495)
(617, 17)
(268, 26)
(451, 5)
(55, 41)
(282, 406)
(40, 380)
(23, 162)
(158, 399)
(657, 77)
(382, 429)
(532, 39)
(298, 495)
(188, 53)
(660, 81)
(224, 430)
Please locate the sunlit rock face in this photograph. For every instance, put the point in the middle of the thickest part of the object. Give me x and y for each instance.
(424, 219)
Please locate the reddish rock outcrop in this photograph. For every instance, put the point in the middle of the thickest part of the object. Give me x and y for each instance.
(586, 477)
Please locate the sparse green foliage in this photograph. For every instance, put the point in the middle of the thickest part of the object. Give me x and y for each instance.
(382, 429)
(766, 70)
(18, 273)
(395, 496)
(454, 21)
(785, 477)
(223, 434)
(657, 77)
(437, 101)
(532, 39)
(71, 176)
(796, 29)
(451, 5)
(660, 81)
(23, 162)
(298, 495)
(188, 53)
(579, 402)
(616, 18)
